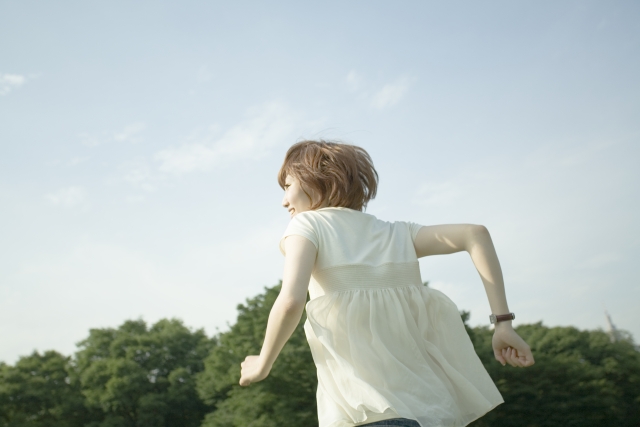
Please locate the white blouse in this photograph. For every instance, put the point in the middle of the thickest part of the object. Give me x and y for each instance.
(385, 346)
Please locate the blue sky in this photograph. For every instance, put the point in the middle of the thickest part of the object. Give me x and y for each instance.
(139, 145)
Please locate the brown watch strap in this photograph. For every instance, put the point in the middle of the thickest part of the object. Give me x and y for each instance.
(503, 317)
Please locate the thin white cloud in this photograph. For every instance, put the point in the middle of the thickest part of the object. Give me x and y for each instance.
(130, 133)
(387, 96)
(390, 94)
(67, 197)
(139, 175)
(77, 160)
(9, 82)
(266, 127)
(91, 140)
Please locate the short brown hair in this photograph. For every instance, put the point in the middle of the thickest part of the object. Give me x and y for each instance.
(342, 174)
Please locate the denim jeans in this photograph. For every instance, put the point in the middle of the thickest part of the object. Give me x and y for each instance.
(394, 422)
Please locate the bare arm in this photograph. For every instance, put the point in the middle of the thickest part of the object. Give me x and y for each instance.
(287, 309)
(508, 347)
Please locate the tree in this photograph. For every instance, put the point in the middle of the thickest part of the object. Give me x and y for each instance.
(38, 392)
(285, 397)
(580, 379)
(169, 375)
(143, 377)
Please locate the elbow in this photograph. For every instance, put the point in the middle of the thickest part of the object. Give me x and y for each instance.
(478, 230)
(291, 305)
(477, 234)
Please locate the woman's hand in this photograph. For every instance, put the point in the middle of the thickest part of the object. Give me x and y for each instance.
(253, 370)
(509, 348)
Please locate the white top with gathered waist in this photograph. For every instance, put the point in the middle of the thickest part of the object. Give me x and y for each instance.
(385, 346)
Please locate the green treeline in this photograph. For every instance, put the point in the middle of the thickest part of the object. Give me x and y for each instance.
(169, 375)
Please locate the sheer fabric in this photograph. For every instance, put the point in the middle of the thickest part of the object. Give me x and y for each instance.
(385, 346)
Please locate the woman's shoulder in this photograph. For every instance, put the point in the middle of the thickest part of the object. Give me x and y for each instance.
(343, 214)
(332, 219)
(339, 212)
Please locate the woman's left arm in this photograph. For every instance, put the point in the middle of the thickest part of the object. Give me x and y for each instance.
(287, 309)
(508, 347)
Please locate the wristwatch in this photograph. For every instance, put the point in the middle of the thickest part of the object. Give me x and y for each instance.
(501, 317)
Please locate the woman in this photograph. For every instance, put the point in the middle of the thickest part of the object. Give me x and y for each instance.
(389, 351)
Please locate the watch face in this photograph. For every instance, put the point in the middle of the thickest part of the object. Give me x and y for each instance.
(492, 318)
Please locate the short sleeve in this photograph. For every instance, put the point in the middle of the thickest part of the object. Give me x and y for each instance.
(413, 229)
(300, 225)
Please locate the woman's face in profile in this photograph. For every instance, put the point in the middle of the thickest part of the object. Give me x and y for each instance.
(295, 199)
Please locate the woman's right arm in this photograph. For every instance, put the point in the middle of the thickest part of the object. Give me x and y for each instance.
(508, 347)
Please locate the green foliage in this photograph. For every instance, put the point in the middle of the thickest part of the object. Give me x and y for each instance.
(167, 375)
(580, 379)
(286, 397)
(38, 392)
(140, 377)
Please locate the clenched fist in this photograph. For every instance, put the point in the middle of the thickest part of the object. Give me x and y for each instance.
(253, 370)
